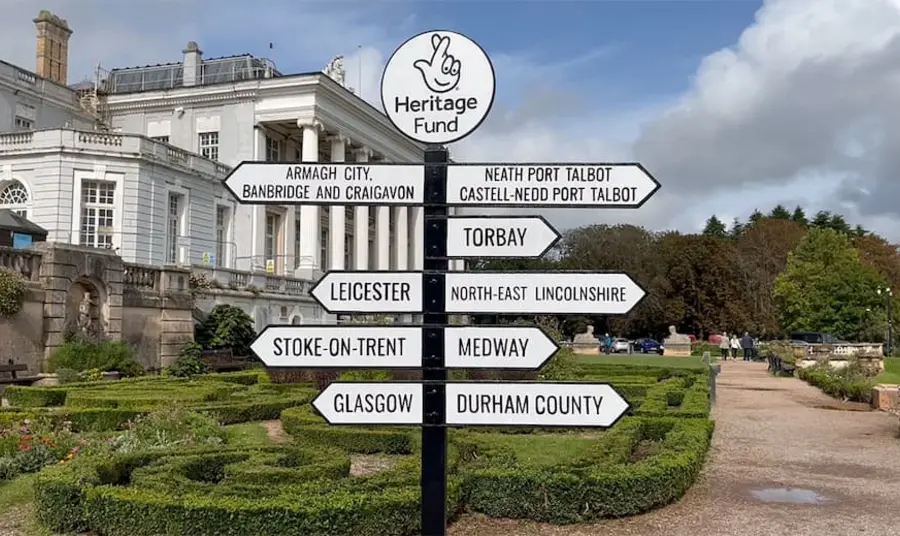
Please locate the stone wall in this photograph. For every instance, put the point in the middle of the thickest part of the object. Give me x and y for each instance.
(145, 306)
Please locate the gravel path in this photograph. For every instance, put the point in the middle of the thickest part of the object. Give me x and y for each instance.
(770, 433)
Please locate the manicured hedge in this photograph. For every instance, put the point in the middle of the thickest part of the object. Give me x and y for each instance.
(295, 490)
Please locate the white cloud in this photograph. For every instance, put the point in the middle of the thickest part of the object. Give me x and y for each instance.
(802, 109)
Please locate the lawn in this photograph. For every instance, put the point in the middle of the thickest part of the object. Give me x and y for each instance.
(891, 372)
(644, 359)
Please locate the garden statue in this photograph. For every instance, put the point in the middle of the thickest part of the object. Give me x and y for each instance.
(84, 313)
(585, 343)
(335, 69)
(676, 344)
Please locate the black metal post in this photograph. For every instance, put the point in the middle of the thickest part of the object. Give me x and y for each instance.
(434, 373)
(890, 312)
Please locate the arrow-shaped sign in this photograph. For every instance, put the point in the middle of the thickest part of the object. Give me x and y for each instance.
(371, 403)
(339, 346)
(534, 404)
(369, 292)
(270, 183)
(581, 405)
(579, 293)
(506, 347)
(626, 185)
(487, 237)
(496, 347)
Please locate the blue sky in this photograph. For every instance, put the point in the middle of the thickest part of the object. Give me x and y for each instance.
(733, 105)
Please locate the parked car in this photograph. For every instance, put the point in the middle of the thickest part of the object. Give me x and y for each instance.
(648, 346)
(620, 345)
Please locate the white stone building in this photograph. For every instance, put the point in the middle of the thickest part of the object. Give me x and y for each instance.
(148, 182)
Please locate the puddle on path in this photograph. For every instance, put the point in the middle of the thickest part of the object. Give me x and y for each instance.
(788, 495)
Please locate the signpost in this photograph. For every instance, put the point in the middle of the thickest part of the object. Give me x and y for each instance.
(545, 404)
(550, 185)
(566, 293)
(269, 183)
(398, 347)
(437, 88)
(499, 237)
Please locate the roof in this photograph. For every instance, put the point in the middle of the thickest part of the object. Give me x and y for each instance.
(11, 221)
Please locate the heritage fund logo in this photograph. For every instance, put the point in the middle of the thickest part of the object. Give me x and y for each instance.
(438, 87)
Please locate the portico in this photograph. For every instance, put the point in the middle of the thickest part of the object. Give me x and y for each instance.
(305, 241)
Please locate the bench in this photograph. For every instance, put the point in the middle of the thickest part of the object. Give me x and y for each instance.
(223, 360)
(779, 366)
(11, 378)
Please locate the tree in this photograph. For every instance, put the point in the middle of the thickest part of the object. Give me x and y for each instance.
(799, 216)
(756, 217)
(881, 255)
(825, 287)
(737, 228)
(762, 253)
(821, 220)
(780, 213)
(715, 227)
(702, 283)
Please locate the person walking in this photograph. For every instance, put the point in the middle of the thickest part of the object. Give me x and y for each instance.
(747, 345)
(607, 344)
(735, 345)
(724, 346)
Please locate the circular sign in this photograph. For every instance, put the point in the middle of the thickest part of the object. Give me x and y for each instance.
(438, 87)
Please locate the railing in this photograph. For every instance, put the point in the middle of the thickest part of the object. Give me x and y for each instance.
(224, 278)
(142, 277)
(130, 144)
(22, 261)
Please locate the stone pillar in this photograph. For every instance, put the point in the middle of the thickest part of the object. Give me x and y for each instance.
(337, 214)
(309, 214)
(176, 318)
(361, 224)
(416, 246)
(382, 238)
(401, 238)
(257, 214)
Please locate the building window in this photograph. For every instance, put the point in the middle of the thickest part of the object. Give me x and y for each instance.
(298, 233)
(165, 139)
(221, 234)
(172, 227)
(24, 124)
(272, 246)
(97, 211)
(14, 197)
(273, 150)
(209, 145)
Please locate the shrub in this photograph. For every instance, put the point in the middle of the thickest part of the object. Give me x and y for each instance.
(83, 354)
(227, 326)
(189, 362)
(12, 292)
(849, 383)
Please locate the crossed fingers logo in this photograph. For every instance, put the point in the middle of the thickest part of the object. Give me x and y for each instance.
(441, 71)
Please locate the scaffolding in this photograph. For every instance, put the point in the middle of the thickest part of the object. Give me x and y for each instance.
(92, 98)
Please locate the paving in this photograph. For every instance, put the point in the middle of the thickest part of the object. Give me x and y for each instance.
(785, 459)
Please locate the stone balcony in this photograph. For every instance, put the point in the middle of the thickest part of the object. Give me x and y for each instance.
(130, 145)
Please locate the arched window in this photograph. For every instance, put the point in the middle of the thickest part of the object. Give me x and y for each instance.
(14, 196)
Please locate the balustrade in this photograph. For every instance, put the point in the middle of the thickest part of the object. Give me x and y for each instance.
(141, 277)
(25, 262)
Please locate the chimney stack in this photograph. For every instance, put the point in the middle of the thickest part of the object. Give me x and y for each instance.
(193, 60)
(52, 47)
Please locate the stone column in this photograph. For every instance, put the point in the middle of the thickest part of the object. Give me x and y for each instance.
(361, 224)
(309, 214)
(257, 215)
(417, 230)
(401, 238)
(382, 238)
(336, 218)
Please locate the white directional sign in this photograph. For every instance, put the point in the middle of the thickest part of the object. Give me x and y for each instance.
(550, 185)
(340, 346)
(499, 237)
(371, 403)
(369, 292)
(579, 293)
(534, 404)
(507, 347)
(259, 183)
